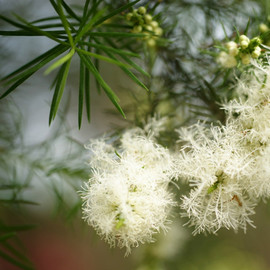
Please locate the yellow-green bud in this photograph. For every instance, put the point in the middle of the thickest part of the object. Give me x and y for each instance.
(244, 44)
(231, 44)
(148, 18)
(243, 37)
(159, 31)
(245, 58)
(263, 28)
(149, 27)
(137, 29)
(129, 16)
(257, 40)
(233, 51)
(151, 42)
(154, 24)
(257, 52)
(232, 48)
(142, 10)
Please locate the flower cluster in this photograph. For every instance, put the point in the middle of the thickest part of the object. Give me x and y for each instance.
(228, 166)
(127, 199)
(264, 28)
(243, 51)
(142, 22)
(216, 168)
(250, 115)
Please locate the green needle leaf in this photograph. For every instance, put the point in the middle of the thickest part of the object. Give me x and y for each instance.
(65, 23)
(37, 30)
(87, 93)
(70, 11)
(127, 59)
(88, 26)
(104, 58)
(14, 23)
(247, 27)
(17, 201)
(116, 34)
(19, 79)
(59, 89)
(5, 228)
(7, 236)
(81, 90)
(107, 48)
(15, 261)
(59, 62)
(114, 99)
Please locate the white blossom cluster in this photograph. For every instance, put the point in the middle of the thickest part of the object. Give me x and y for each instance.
(228, 166)
(127, 199)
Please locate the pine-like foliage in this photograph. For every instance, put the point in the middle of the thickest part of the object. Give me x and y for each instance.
(195, 145)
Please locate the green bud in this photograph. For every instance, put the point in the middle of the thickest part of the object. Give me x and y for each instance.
(142, 10)
(263, 28)
(154, 24)
(245, 58)
(129, 16)
(148, 18)
(137, 29)
(151, 42)
(159, 31)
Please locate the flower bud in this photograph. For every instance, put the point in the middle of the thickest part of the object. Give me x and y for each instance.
(232, 48)
(233, 51)
(149, 28)
(245, 58)
(159, 31)
(137, 29)
(256, 40)
(154, 24)
(151, 42)
(257, 52)
(244, 44)
(243, 37)
(148, 18)
(263, 28)
(129, 16)
(142, 10)
(231, 44)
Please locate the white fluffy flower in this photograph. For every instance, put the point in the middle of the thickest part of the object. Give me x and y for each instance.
(250, 113)
(216, 168)
(258, 184)
(127, 199)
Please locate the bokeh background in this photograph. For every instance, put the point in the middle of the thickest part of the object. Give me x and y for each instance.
(48, 164)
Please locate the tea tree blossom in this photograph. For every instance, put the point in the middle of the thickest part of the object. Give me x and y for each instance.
(127, 199)
(216, 168)
(228, 166)
(250, 112)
